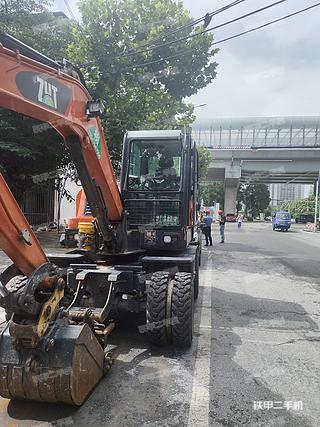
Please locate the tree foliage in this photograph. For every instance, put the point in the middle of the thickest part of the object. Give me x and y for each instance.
(151, 96)
(141, 97)
(204, 161)
(27, 146)
(255, 197)
(298, 207)
(211, 192)
(31, 22)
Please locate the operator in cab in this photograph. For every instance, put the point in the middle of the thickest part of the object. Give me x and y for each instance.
(166, 167)
(166, 174)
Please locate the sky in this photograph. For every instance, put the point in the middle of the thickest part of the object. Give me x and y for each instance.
(272, 72)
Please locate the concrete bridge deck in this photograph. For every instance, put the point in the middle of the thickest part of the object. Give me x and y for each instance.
(259, 132)
(267, 150)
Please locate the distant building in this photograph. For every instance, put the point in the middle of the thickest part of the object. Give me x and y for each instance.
(60, 15)
(287, 192)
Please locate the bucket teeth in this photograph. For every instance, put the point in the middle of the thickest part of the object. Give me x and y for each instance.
(66, 373)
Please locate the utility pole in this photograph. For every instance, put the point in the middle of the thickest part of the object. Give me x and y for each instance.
(316, 214)
(318, 196)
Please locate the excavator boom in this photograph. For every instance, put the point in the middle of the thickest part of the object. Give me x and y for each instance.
(38, 90)
(16, 236)
(50, 352)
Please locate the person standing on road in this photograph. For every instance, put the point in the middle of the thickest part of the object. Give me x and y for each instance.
(222, 221)
(239, 219)
(206, 227)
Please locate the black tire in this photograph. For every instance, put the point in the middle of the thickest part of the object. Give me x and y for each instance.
(182, 310)
(196, 275)
(15, 286)
(157, 307)
(200, 253)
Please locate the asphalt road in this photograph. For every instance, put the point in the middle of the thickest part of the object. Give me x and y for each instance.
(255, 358)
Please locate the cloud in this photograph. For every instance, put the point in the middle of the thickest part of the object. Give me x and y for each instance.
(273, 71)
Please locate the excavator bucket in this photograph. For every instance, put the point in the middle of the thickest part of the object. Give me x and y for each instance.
(64, 371)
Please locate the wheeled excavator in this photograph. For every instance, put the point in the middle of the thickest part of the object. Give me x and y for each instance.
(144, 255)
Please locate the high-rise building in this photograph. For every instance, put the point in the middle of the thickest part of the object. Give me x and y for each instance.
(287, 192)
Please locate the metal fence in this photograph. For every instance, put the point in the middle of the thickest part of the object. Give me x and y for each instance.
(38, 205)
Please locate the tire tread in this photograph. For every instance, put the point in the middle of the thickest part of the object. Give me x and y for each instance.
(182, 310)
(156, 308)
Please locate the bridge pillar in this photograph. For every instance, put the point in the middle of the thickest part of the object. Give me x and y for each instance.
(230, 197)
(231, 184)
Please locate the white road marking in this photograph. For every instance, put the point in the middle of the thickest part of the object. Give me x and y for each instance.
(200, 399)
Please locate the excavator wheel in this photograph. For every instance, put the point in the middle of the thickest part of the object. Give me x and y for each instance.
(170, 309)
(14, 286)
(196, 279)
(157, 307)
(182, 310)
(65, 371)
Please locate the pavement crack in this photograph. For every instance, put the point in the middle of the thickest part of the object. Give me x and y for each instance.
(292, 341)
(298, 313)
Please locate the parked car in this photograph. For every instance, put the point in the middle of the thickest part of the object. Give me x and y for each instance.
(281, 220)
(231, 217)
(304, 218)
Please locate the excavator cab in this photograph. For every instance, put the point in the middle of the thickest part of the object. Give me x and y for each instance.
(159, 189)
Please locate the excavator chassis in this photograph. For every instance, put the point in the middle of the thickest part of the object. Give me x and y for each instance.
(66, 362)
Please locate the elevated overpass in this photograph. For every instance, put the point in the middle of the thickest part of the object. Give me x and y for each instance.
(268, 150)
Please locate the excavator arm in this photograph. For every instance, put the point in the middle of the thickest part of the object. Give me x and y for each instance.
(34, 85)
(51, 351)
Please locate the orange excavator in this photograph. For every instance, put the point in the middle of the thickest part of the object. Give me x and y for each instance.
(144, 254)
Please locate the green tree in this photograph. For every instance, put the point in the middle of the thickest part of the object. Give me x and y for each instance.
(255, 197)
(149, 96)
(204, 161)
(297, 207)
(31, 22)
(27, 147)
(211, 192)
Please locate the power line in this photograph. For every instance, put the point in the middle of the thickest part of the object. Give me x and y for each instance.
(206, 30)
(158, 60)
(267, 24)
(190, 24)
(173, 31)
(66, 2)
(231, 37)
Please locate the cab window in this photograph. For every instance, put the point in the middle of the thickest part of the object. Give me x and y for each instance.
(155, 166)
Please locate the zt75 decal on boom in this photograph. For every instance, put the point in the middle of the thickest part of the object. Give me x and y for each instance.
(43, 89)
